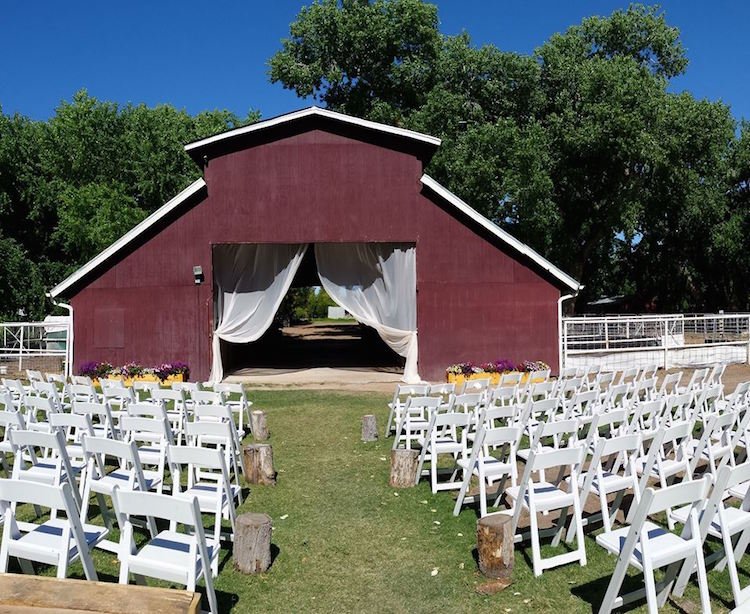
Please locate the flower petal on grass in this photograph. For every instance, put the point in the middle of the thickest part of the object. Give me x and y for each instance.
(434, 572)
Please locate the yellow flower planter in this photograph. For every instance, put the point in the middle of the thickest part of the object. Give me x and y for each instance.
(493, 377)
(128, 381)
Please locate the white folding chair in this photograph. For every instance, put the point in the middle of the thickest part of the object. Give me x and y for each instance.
(38, 411)
(151, 436)
(144, 390)
(239, 406)
(213, 434)
(667, 457)
(175, 556)
(670, 383)
(487, 468)
(101, 418)
(601, 480)
(49, 390)
(446, 434)
(725, 523)
(415, 418)
(207, 480)
(400, 396)
(176, 404)
(57, 541)
(126, 474)
(544, 497)
(43, 458)
(647, 546)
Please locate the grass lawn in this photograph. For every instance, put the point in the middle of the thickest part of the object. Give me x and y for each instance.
(349, 543)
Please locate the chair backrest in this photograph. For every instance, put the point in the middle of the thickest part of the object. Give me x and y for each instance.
(207, 397)
(443, 390)
(51, 445)
(82, 392)
(228, 389)
(148, 410)
(404, 391)
(100, 414)
(562, 457)
(166, 395)
(476, 385)
(144, 389)
(73, 426)
(14, 386)
(716, 374)
(649, 372)
(57, 378)
(111, 382)
(670, 383)
(47, 389)
(568, 372)
(628, 375)
(689, 492)
(541, 390)
(604, 379)
(119, 393)
(81, 380)
(38, 409)
(178, 511)
(512, 378)
(420, 403)
(138, 428)
(467, 402)
(502, 435)
(34, 376)
(502, 395)
(613, 421)
(11, 419)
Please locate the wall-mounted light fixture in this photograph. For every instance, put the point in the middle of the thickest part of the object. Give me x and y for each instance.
(198, 274)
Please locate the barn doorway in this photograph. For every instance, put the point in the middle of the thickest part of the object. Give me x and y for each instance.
(301, 337)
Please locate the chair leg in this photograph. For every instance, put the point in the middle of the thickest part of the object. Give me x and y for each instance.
(648, 577)
(462, 491)
(536, 554)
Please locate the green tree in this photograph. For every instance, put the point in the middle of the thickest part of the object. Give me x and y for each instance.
(578, 149)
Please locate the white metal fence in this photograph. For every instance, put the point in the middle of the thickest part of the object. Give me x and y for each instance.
(27, 344)
(670, 340)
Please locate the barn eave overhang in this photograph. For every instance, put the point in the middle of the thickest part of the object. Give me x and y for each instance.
(423, 145)
(561, 279)
(68, 286)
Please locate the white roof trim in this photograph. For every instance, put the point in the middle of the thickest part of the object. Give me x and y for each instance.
(128, 237)
(289, 117)
(499, 232)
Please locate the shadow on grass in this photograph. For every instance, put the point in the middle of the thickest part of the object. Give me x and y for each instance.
(593, 593)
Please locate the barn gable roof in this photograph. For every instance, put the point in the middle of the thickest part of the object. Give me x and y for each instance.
(129, 237)
(196, 149)
(240, 137)
(516, 245)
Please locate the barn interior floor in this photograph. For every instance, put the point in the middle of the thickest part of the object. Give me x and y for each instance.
(338, 354)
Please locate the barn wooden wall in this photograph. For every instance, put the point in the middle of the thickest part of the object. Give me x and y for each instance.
(475, 302)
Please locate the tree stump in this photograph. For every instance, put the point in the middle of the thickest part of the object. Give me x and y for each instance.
(257, 460)
(403, 468)
(495, 545)
(258, 425)
(369, 428)
(252, 543)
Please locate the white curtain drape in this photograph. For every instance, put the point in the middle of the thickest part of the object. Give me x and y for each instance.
(377, 284)
(251, 281)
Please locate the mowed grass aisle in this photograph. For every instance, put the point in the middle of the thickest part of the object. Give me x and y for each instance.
(347, 542)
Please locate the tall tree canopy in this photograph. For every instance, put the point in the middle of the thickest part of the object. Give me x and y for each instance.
(72, 185)
(578, 149)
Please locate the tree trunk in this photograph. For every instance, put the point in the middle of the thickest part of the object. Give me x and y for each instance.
(252, 543)
(369, 428)
(258, 425)
(257, 459)
(495, 545)
(403, 468)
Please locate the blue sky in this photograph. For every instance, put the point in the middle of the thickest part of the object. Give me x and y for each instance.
(209, 55)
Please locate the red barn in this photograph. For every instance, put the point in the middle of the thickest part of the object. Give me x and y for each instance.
(315, 177)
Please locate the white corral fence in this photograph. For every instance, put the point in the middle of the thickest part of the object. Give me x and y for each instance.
(670, 340)
(24, 343)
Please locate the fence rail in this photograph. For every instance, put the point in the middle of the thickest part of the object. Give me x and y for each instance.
(21, 343)
(671, 340)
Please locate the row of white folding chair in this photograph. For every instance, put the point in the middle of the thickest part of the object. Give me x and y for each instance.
(183, 557)
(647, 547)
